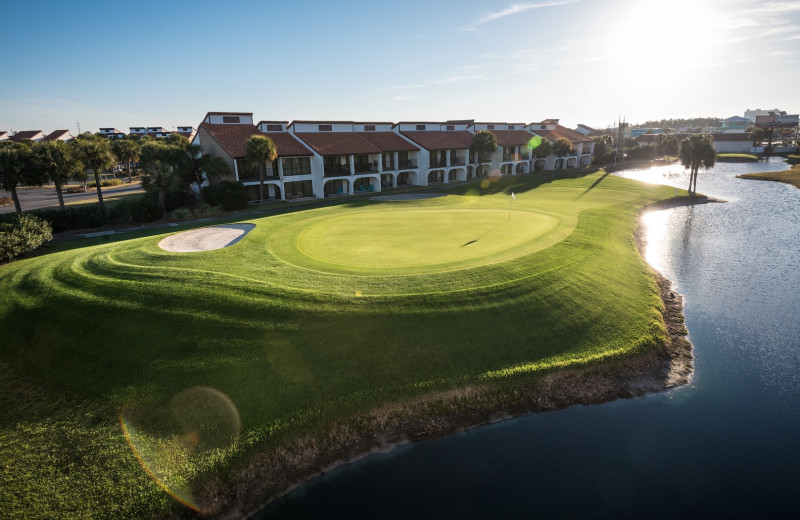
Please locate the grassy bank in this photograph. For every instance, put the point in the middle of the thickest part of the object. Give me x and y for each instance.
(123, 365)
(736, 157)
(788, 176)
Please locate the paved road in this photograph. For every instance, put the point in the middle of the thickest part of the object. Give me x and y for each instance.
(35, 198)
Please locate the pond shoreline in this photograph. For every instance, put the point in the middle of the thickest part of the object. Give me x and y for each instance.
(269, 476)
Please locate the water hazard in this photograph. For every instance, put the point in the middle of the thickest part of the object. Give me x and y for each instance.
(725, 445)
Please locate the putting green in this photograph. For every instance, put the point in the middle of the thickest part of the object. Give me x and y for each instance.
(423, 240)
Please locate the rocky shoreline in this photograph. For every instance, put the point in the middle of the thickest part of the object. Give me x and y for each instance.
(268, 476)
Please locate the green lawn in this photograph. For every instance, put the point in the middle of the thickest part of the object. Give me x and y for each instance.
(316, 317)
(739, 157)
(791, 176)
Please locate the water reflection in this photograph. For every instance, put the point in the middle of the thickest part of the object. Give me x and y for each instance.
(727, 445)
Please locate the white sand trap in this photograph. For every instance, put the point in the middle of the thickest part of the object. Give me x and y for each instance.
(408, 196)
(205, 239)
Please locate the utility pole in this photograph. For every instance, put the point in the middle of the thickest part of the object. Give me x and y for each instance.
(79, 127)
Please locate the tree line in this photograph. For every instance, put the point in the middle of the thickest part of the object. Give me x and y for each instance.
(170, 163)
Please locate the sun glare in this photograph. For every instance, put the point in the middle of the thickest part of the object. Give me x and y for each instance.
(659, 35)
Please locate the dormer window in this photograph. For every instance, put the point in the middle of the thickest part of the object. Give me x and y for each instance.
(511, 127)
(325, 128)
(274, 128)
(420, 127)
(230, 119)
(490, 127)
(369, 128)
(544, 127)
(451, 127)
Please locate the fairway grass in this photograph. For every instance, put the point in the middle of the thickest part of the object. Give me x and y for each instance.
(791, 176)
(127, 370)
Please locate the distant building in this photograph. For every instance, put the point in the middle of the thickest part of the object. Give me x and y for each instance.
(735, 124)
(58, 135)
(587, 130)
(32, 135)
(753, 114)
(112, 133)
(636, 132)
(3, 135)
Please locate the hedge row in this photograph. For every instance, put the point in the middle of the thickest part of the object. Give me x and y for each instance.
(23, 234)
(133, 210)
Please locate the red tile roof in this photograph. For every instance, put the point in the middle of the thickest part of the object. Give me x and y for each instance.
(511, 137)
(305, 122)
(337, 143)
(233, 139)
(24, 134)
(439, 140)
(55, 135)
(273, 122)
(561, 131)
(737, 136)
(388, 142)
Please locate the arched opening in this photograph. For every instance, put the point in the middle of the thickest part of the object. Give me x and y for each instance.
(540, 163)
(406, 179)
(364, 184)
(436, 177)
(572, 162)
(585, 160)
(387, 180)
(470, 172)
(522, 167)
(458, 174)
(337, 187)
(506, 169)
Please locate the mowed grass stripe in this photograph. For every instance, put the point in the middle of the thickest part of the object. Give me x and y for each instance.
(113, 326)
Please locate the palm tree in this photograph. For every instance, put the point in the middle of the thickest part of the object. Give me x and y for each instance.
(544, 149)
(562, 147)
(696, 151)
(54, 161)
(215, 167)
(260, 149)
(15, 168)
(483, 143)
(190, 166)
(160, 178)
(95, 154)
(126, 150)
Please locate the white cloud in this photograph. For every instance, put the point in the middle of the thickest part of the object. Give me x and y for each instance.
(513, 9)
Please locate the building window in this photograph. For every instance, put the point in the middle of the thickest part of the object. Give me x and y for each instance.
(296, 166)
(511, 127)
(230, 119)
(369, 128)
(451, 127)
(325, 128)
(544, 127)
(490, 127)
(420, 127)
(274, 128)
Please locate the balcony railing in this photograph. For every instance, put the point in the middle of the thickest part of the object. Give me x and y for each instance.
(508, 157)
(435, 163)
(270, 175)
(365, 168)
(458, 161)
(409, 163)
(524, 157)
(336, 170)
(388, 167)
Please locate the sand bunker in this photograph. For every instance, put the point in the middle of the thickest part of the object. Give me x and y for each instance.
(408, 196)
(205, 239)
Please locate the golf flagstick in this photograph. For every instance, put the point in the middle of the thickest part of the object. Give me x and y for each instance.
(513, 198)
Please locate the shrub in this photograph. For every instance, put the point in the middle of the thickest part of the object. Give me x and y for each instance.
(136, 210)
(181, 214)
(22, 235)
(5, 201)
(74, 189)
(230, 195)
(105, 183)
(72, 217)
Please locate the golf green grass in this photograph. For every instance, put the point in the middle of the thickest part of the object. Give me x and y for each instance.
(123, 365)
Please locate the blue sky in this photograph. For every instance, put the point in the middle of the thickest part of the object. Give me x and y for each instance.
(149, 63)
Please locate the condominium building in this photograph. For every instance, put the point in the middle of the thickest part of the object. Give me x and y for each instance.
(330, 158)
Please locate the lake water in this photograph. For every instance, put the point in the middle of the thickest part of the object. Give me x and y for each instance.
(727, 444)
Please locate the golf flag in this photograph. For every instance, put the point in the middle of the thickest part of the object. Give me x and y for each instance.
(513, 196)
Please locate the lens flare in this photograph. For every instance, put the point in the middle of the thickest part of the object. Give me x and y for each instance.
(167, 441)
(485, 183)
(494, 175)
(534, 142)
